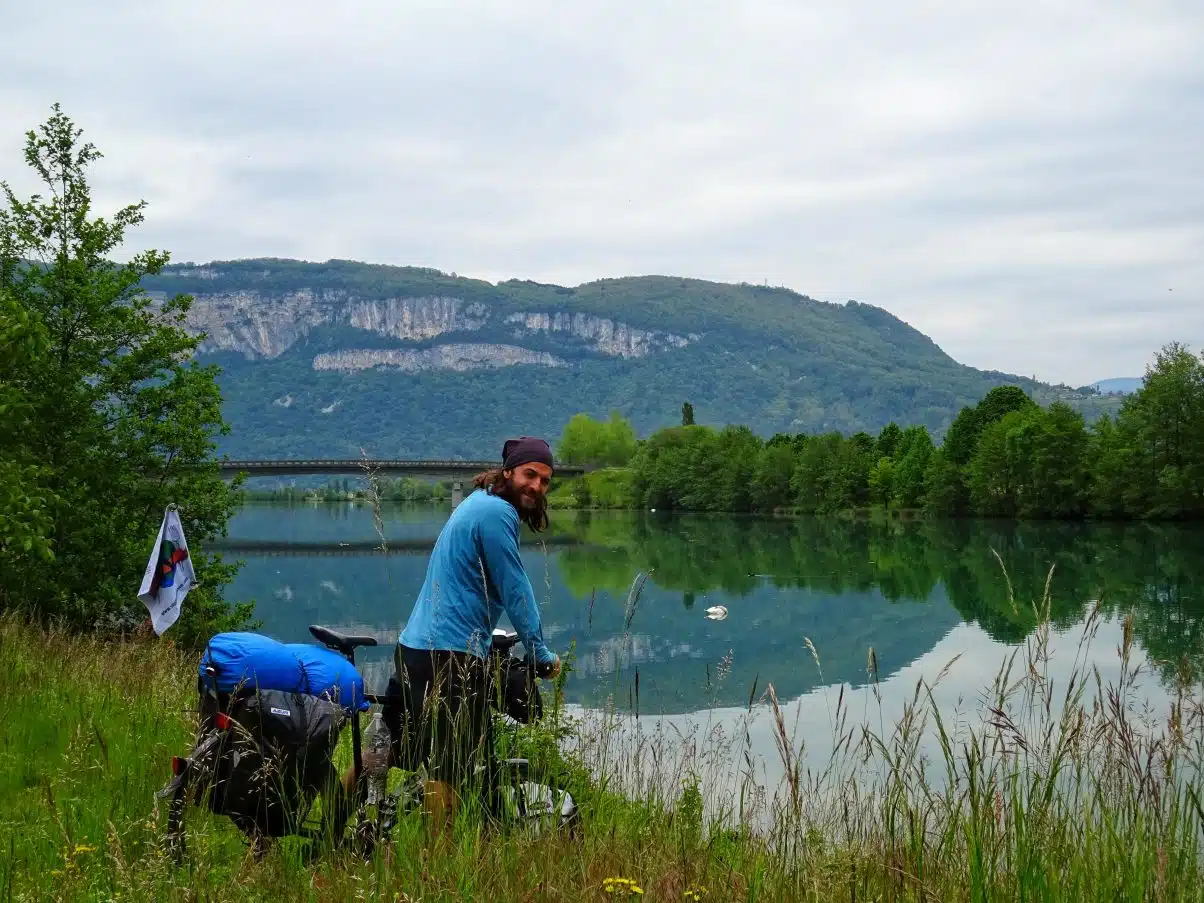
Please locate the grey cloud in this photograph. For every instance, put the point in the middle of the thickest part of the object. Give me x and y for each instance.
(1023, 182)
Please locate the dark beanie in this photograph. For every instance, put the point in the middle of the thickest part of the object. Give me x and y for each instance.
(524, 450)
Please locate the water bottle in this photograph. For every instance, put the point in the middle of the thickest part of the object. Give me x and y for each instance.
(375, 753)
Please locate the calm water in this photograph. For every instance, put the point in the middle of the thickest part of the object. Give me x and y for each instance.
(919, 593)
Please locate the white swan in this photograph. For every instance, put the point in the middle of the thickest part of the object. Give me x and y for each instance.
(717, 612)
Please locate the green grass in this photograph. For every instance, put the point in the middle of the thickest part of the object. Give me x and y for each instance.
(1065, 795)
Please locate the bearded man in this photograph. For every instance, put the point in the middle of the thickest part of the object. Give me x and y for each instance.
(474, 574)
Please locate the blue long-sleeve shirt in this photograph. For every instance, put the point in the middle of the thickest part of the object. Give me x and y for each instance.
(475, 573)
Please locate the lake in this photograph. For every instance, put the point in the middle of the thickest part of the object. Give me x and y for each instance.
(919, 593)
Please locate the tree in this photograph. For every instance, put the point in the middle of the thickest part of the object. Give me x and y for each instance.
(733, 469)
(582, 441)
(1106, 478)
(620, 440)
(909, 488)
(815, 474)
(1161, 428)
(27, 524)
(771, 481)
(881, 481)
(687, 414)
(610, 443)
(995, 472)
(1057, 455)
(118, 419)
(961, 441)
(1000, 402)
(888, 441)
(943, 486)
(680, 467)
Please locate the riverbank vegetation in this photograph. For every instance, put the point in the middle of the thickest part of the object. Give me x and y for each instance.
(105, 417)
(350, 489)
(1044, 792)
(1004, 457)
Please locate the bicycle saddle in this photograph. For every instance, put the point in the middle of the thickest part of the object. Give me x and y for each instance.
(504, 640)
(338, 641)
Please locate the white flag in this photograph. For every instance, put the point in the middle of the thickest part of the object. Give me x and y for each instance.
(169, 574)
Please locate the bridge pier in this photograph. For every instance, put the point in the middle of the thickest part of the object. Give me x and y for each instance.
(457, 492)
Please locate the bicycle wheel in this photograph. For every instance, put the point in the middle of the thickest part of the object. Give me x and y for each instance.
(188, 772)
(535, 806)
(377, 810)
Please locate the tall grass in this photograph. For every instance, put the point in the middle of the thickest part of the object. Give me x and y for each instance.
(1072, 792)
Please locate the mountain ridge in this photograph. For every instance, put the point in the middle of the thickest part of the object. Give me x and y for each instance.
(466, 362)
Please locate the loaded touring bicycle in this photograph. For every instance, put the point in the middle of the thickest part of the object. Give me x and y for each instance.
(270, 718)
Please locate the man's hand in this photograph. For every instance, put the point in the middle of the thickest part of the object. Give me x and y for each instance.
(549, 670)
(555, 668)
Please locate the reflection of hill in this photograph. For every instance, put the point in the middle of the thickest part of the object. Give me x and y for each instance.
(1156, 573)
(847, 585)
(675, 648)
(899, 560)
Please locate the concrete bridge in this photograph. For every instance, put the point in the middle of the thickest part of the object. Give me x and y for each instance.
(456, 471)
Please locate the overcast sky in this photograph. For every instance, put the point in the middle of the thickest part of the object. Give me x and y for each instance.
(1022, 181)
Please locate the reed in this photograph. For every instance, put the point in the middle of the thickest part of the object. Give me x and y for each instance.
(1054, 792)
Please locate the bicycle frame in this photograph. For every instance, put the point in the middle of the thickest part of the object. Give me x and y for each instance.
(215, 723)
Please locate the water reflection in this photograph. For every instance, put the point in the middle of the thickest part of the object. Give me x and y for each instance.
(900, 587)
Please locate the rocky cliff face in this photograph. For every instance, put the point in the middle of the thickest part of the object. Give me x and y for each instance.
(606, 336)
(265, 326)
(452, 356)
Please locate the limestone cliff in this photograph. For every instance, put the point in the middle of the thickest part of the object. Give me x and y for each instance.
(452, 356)
(259, 326)
(605, 335)
(267, 325)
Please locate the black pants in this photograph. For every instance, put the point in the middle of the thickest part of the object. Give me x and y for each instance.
(448, 717)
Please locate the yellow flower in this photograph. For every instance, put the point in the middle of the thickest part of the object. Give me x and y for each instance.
(625, 886)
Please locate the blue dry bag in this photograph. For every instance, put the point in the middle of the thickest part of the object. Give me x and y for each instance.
(254, 660)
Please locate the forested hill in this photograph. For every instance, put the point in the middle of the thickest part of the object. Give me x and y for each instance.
(326, 358)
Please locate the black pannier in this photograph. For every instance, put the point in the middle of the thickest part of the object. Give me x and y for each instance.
(275, 757)
(521, 699)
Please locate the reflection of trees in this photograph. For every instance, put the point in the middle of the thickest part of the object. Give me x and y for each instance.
(1006, 600)
(1155, 573)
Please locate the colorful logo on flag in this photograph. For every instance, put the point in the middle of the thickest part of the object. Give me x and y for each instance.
(170, 557)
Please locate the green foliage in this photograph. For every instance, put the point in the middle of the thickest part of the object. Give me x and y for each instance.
(1160, 437)
(607, 487)
(1004, 457)
(950, 482)
(888, 440)
(107, 417)
(771, 479)
(915, 453)
(26, 523)
(881, 482)
(581, 494)
(995, 469)
(609, 443)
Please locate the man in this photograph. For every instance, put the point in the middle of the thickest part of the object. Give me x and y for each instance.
(474, 574)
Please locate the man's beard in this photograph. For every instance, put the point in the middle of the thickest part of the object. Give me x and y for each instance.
(532, 507)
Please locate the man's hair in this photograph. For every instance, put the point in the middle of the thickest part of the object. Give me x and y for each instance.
(494, 481)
